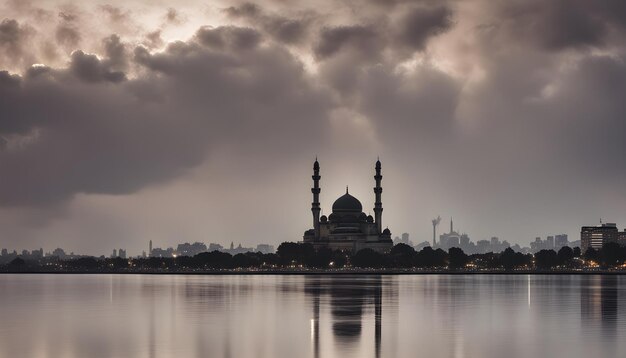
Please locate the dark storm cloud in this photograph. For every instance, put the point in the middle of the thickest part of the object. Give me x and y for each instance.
(333, 39)
(248, 10)
(505, 112)
(556, 24)
(100, 135)
(13, 40)
(238, 38)
(153, 39)
(115, 52)
(421, 23)
(89, 68)
(67, 33)
(289, 30)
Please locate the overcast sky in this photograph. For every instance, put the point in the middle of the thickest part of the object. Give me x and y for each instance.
(175, 121)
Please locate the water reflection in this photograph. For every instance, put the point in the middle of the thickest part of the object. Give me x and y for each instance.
(311, 316)
(347, 300)
(599, 302)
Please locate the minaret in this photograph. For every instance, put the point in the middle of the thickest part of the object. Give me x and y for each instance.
(150, 249)
(315, 206)
(451, 225)
(378, 205)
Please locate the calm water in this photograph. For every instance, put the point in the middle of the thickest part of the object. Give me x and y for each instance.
(305, 316)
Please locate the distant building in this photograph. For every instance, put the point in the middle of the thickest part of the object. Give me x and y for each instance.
(159, 252)
(560, 241)
(450, 239)
(550, 243)
(114, 254)
(238, 250)
(121, 253)
(215, 247)
(596, 236)
(59, 252)
(465, 241)
(190, 250)
(403, 240)
(265, 248)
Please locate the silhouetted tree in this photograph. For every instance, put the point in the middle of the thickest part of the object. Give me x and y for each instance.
(340, 259)
(591, 254)
(577, 251)
(428, 257)
(117, 263)
(546, 259)
(270, 259)
(456, 258)
(17, 264)
(368, 258)
(565, 256)
(611, 255)
(83, 263)
(295, 253)
(402, 255)
(243, 261)
(214, 260)
(508, 259)
(320, 258)
(185, 262)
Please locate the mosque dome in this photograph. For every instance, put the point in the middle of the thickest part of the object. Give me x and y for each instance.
(347, 203)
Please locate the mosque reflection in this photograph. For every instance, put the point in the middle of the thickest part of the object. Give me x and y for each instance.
(347, 299)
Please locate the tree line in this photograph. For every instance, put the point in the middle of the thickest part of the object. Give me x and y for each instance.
(292, 255)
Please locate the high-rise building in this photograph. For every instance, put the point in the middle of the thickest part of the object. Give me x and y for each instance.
(550, 243)
(450, 239)
(621, 238)
(560, 241)
(596, 236)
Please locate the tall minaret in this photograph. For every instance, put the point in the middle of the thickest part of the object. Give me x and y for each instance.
(451, 225)
(315, 206)
(378, 205)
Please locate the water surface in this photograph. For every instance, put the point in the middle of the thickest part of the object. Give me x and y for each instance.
(312, 316)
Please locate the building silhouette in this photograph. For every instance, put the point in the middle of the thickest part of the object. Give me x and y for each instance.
(596, 236)
(348, 228)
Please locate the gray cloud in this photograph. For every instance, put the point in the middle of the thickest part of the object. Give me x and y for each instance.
(89, 68)
(503, 115)
(289, 30)
(115, 52)
(229, 36)
(101, 135)
(14, 40)
(421, 23)
(67, 33)
(359, 37)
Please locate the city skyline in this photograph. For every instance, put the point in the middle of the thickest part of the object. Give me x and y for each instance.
(128, 121)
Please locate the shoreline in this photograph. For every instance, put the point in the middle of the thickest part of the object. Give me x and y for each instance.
(320, 273)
